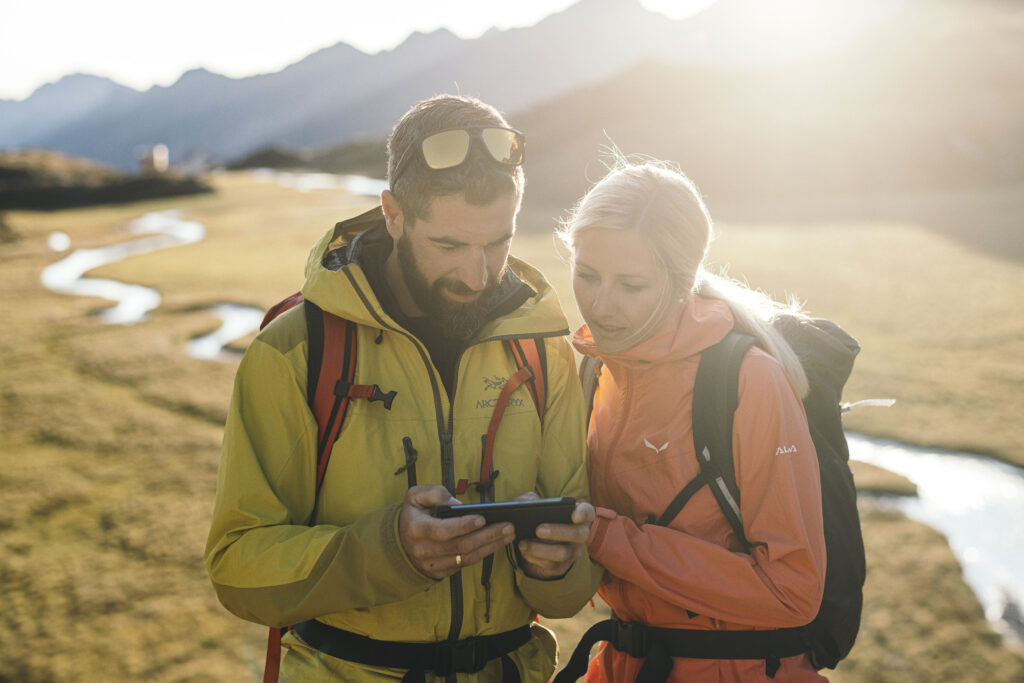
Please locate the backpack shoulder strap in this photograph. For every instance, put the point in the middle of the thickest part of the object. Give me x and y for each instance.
(322, 331)
(330, 372)
(531, 363)
(590, 369)
(280, 307)
(531, 352)
(331, 367)
(715, 399)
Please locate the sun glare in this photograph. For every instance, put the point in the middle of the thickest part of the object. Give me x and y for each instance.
(677, 9)
(774, 29)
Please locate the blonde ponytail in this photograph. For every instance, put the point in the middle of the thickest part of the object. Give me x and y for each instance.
(753, 313)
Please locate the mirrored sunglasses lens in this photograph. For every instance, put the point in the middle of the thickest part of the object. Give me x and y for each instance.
(504, 145)
(447, 149)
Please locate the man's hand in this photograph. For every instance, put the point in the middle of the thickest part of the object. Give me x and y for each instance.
(440, 547)
(557, 546)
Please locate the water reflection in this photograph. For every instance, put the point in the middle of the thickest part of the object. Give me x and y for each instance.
(236, 322)
(977, 503)
(309, 181)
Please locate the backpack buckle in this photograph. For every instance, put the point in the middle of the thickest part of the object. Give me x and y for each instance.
(631, 638)
(371, 392)
(463, 656)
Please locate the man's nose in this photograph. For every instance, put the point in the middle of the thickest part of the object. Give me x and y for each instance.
(473, 270)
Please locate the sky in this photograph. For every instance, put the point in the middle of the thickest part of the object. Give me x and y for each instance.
(141, 44)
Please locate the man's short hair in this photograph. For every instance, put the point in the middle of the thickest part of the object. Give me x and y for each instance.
(479, 179)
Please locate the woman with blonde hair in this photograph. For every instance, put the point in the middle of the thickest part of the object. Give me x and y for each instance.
(638, 240)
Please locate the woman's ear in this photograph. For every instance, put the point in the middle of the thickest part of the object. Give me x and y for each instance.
(393, 215)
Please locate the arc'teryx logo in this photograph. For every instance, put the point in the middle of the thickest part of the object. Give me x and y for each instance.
(495, 382)
(654, 448)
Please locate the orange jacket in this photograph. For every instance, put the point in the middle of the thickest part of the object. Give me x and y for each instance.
(641, 455)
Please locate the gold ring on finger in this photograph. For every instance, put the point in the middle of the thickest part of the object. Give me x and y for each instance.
(458, 560)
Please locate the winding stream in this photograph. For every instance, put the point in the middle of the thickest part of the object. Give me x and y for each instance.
(134, 302)
(236, 322)
(978, 503)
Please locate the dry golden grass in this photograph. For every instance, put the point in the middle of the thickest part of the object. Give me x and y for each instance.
(871, 479)
(109, 442)
(921, 622)
(941, 326)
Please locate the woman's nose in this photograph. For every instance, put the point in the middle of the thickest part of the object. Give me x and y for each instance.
(604, 302)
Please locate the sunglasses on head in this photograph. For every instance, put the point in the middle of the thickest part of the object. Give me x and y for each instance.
(450, 148)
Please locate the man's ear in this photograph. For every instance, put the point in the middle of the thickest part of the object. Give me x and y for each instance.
(393, 216)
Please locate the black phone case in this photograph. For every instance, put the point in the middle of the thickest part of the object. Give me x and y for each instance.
(525, 515)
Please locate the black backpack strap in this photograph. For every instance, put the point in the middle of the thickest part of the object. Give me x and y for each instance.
(715, 399)
(681, 499)
(315, 356)
(657, 646)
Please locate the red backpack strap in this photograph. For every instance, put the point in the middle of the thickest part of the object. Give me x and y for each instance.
(532, 363)
(272, 665)
(330, 370)
(280, 307)
(332, 362)
(530, 352)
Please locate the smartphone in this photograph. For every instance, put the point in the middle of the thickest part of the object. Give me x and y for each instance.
(524, 514)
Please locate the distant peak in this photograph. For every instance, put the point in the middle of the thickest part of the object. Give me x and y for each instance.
(442, 32)
(200, 73)
(80, 82)
(608, 5)
(436, 36)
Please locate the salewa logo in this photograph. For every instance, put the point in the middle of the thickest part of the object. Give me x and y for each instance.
(654, 448)
(782, 450)
(496, 383)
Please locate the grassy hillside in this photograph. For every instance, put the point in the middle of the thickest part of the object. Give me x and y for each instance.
(45, 180)
(109, 436)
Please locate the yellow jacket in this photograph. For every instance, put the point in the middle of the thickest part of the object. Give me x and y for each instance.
(270, 564)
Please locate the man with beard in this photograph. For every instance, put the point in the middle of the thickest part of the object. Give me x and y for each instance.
(376, 586)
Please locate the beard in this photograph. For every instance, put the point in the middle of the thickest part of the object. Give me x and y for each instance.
(456, 321)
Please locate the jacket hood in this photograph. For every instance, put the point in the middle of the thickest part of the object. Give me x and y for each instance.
(337, 283)
(692, 326)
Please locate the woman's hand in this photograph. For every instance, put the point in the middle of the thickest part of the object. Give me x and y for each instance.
(557, 546)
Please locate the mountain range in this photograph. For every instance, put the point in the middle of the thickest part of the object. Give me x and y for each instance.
(340, 93)
(879, 100)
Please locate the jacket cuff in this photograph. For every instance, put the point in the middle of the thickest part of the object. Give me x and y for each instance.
(563, 597)
(599, 530)
(396, 553)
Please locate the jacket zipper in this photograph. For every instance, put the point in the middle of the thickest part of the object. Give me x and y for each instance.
(444, 431)
(448, 473)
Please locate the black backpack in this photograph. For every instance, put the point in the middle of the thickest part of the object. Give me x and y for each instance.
(827, 354)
